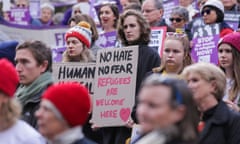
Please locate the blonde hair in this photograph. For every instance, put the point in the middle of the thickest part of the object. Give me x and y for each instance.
(187, 57)
(209, 72)
(10, 112)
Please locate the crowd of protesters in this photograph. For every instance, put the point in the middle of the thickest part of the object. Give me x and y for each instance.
(177, 100)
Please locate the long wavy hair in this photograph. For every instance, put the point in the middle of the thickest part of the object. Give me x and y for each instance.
(235, 89)
(145, 27)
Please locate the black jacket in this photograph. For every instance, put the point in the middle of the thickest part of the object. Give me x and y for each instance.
(31, 106)
(221, 127)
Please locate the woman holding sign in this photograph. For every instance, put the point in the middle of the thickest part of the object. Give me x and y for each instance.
(133, 29)
(78, 40)
(229, 60)
(212, 13)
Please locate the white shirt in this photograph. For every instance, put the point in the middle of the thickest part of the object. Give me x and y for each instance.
(21, 133)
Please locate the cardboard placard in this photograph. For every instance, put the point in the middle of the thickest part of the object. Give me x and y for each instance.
(115, 84)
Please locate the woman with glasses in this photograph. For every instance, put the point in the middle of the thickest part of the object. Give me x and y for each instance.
(166, 112)
(219, 124)
(175, 55)
(179, 17)
(229, 61)
(213, 12)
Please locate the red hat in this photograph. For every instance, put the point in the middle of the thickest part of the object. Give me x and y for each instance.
(231, 39)
(8, 77)
(82, 31)
(72, 100)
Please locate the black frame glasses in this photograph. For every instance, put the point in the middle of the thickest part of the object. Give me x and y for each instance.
(207, 11)
(176, 19)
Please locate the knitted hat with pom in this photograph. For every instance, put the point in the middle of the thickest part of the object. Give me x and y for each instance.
(71, 100)
(231, 39)
(82, 31)
(8, 77)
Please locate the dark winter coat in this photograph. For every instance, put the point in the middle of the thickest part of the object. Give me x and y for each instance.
(222, 126)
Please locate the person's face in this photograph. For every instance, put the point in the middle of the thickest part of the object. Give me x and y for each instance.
(228, 3)
(177, 21)
(74, 47)
(185, 3)
(173, 54)
(46, 14)
(154, 110)
(209, 15)
(107, 17)
(48, 124)
(225, 56)
(131, 28)
(76, 11)
(22, 3)
(150, 12)
(27, 67)
(124, 3)
(200, 87)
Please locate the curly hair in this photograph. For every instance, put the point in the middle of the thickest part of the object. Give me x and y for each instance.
(145, 27)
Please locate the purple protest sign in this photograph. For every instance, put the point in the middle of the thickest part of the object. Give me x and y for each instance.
(205, 49)
(205, 43)
(19, 16)
(107, 40)
(232, 19)
(169, 5)
(57, 54)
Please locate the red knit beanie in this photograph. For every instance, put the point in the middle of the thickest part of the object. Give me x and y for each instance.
(8, 77)
(72, 100)
(82, 31)
(231, 39)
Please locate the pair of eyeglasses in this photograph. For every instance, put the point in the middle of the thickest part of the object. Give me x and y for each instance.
(175, 19)
(207, 11)
(21, 5)
(174, 34)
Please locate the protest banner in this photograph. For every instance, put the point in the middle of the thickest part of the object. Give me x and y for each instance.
(157, 38)
(115, 83)
(52, 36)
(205, 42)
(232, 19)
(19, 16)
(75, 72)
(107, 40)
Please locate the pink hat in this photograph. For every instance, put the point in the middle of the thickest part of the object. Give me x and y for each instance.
(72, 100)
(231, 39)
